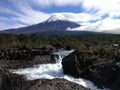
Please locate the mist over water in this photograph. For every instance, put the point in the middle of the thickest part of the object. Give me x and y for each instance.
(51, 71)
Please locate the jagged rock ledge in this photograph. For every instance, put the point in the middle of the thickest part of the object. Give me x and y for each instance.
(24, 58)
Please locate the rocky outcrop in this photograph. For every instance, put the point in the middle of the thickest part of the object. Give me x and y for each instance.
(101, 68)
(56, 84)
(19, 54)
(9, 81)
(23, 58)
(1, 78)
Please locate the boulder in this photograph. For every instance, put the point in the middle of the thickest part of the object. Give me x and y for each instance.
(80, 63)
(102, 69)
(9, 81)
(56, 84)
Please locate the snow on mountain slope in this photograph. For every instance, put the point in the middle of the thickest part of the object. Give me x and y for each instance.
(62, 17)
(56, 17)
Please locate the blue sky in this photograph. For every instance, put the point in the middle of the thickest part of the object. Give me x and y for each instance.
(95, 15)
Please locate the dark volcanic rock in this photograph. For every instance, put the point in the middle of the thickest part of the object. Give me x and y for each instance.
(1, 78)
(101, 68)
(111, 76)
(56, 84)
(9, 81)
(23, 58)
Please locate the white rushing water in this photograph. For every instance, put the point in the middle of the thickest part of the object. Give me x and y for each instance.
(51, 71)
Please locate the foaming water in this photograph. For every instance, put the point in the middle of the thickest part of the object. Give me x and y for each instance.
(51, 71)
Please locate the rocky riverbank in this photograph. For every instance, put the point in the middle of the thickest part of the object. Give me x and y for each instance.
(23, 58)
(18, 59)
(101, 68)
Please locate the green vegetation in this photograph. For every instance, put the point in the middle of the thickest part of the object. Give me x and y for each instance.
(81, 42)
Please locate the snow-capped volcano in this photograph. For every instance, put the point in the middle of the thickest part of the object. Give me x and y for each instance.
(56, 17)
(56, 24)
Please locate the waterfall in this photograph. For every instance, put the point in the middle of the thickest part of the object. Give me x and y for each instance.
(51, 71)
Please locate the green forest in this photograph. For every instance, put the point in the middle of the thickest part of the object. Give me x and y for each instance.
(81, 42)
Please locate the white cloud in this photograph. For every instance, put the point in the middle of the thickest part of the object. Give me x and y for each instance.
(8, 26)
(26, 15)
(109, 24)
(57, 2)
(8, 11)
(114, 13)
(77, 17)
(31, 17)
(106, 25)
(105, 5)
